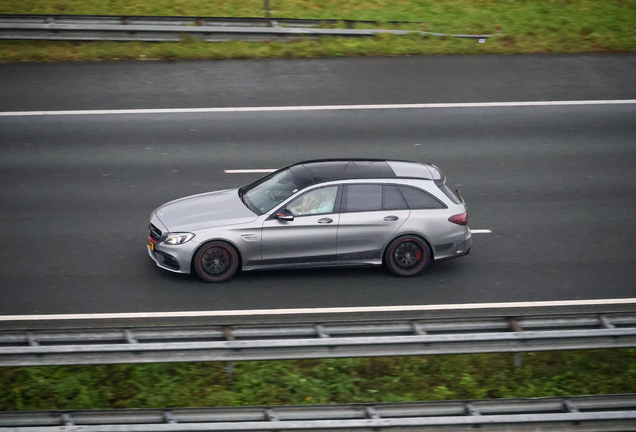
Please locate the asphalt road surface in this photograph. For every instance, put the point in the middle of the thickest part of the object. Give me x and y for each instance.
(555, 184)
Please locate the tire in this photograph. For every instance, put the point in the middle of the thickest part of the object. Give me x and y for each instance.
(407, 256)
(216, 261)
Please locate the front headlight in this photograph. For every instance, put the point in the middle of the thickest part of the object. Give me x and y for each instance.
(178, 238)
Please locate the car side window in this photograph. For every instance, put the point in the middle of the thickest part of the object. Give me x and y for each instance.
(418, 199)
(317, 201)
(364, 197)
(392, 199)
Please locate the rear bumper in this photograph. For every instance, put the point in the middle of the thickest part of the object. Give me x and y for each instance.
(461, 247)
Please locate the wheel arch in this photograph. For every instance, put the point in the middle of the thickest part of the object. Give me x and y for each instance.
(230, 242)
(407, 234)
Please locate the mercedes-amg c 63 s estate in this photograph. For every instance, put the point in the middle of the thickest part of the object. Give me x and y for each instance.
(314, 214)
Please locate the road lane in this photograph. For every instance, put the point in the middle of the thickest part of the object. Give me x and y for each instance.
(244, 83)
(556, 185)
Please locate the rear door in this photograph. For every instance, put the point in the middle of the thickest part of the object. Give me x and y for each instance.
(370, 215)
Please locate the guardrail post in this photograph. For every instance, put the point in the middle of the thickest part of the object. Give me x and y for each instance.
(270, 415)
(516, 327)
(471, 410)
(32, 339)
(67, 420)
(605, 323)
(169, 418)
(268, 17)
(372, 413)
(227, 332)
(568, 406)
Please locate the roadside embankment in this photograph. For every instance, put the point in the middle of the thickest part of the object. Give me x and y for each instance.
(564, 26)
(395, 379)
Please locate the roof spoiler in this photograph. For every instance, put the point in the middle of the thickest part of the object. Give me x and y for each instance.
(438, 175)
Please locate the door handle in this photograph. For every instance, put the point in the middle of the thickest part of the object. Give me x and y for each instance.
(325, 220)
(391, 218)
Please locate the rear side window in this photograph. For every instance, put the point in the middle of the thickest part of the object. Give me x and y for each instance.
(418, 199)
(392, 199)
(364, 197)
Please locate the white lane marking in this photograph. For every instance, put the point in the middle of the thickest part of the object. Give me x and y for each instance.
(481, 231)
(243, 171)
(317, 108)
(306, 311)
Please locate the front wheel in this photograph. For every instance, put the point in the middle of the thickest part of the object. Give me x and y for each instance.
(407, 256)
(216, 261)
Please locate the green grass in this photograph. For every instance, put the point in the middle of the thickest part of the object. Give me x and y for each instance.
(383, 45)
(525, 26)
(395, 379)
(508, 16)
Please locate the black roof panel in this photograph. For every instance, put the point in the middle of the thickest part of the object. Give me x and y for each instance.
(332, 170)
(342, 169)
(370, 169)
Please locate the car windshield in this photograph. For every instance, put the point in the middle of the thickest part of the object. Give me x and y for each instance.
(262, 195)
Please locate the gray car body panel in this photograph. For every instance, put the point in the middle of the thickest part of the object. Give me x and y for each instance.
(349, 239)
(212, 209)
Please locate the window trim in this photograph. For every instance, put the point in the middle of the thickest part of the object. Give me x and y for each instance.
(336, 206)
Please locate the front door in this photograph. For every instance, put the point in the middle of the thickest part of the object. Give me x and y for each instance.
(310, 237)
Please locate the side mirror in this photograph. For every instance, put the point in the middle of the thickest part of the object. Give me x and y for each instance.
(284, 215)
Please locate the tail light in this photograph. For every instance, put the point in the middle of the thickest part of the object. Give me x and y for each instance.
(459, 219)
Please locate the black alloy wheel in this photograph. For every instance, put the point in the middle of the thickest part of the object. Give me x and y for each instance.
(216, 261)
(407, 256)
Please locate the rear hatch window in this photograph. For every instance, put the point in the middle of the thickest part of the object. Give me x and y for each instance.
(454, 197)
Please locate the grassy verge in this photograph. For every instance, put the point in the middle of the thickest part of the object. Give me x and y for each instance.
(396, 379)
(542, 26)
(384, 45)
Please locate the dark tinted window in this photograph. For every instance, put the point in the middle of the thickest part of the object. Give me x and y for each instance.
(418, 199)
(450, 194)
(392, 199)
(303, 179)
(264, 194)
(364, 197)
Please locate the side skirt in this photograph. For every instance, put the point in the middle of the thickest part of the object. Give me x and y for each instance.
(353, 263)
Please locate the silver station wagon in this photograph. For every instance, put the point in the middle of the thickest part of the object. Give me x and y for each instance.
(316, 213)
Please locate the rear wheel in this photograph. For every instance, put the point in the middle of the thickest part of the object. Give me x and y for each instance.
(216, 261)
(407, 256)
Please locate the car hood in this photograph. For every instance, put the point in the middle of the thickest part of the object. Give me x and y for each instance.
(205, 210)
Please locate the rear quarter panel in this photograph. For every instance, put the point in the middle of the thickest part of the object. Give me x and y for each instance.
(433, 224)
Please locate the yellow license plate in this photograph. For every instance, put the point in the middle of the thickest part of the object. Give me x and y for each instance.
(151, 245)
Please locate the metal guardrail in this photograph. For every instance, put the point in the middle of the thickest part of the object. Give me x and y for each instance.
(317, 340)
(582, 413)
(179, 20)
(160, 29)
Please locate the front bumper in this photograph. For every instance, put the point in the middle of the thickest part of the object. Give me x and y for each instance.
(164, 260)
(175, 258)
